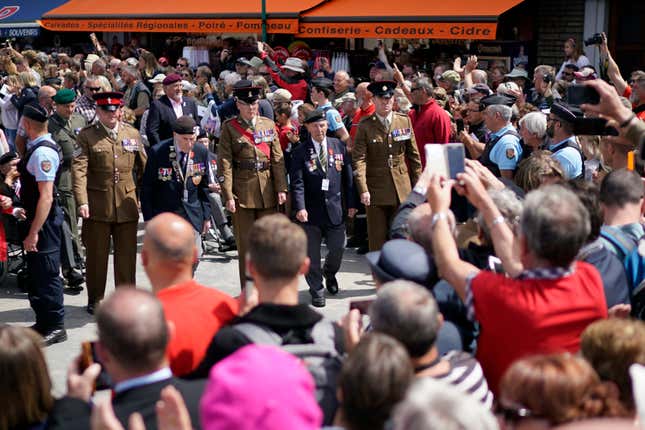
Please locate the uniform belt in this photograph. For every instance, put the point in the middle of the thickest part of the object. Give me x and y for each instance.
(252, 165)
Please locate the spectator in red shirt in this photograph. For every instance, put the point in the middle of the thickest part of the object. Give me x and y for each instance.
(546, 299)
(194, 312)
(430, 122)
(634, 90)
(289, 76)
(365, 107)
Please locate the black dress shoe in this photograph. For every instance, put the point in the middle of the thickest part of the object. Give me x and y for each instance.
(90, 308)
(318, 302)
(54, 336)
(332, 284)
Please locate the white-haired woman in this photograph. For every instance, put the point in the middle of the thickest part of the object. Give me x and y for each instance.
(533, 131)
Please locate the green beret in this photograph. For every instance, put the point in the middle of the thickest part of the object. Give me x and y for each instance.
(64, 96)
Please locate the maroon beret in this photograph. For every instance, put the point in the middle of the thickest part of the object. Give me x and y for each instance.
(171, 79)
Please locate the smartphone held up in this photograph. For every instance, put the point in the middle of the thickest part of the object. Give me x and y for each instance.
(445, 160)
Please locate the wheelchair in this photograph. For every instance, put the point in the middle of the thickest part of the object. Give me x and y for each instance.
(16, 263)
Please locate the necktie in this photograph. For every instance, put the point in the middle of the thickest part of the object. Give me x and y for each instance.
(112, 134)
(322, 156)
(386, 123)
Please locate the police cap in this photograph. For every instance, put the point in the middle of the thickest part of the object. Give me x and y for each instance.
(566, 112)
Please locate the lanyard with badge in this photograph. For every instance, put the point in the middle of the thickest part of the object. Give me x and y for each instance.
(178, 171)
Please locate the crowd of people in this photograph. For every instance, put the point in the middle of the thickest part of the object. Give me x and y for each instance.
(509, 293)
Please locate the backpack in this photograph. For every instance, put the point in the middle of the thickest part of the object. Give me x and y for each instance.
(320, 357)
(633, 259)
(635, 269)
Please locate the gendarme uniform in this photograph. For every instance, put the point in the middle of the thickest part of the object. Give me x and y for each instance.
(503, 150)
(104, 179)
(251, 168)
(386, 161)
(65, 131)
(568, 152)
(334, 121)
(41, 164)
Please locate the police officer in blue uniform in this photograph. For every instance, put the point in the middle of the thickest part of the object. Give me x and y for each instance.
(565, 148)
(321, 88)
(41, 231)
(503, 149)
(176, 178)
(321, 174)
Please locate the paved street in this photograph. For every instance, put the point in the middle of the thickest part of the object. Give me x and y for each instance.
(216, 270)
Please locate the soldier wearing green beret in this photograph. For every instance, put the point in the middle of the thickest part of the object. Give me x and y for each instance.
(64, 125)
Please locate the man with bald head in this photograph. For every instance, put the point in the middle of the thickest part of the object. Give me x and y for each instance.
(195, 311)
(46, 98)
(132, 338)
(342, 85)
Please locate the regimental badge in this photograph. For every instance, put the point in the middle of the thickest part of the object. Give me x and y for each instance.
(510, 153)
(384, 88)
(46, 165)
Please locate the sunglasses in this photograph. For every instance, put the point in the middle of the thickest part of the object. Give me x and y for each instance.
(181, 65)
(93, 89)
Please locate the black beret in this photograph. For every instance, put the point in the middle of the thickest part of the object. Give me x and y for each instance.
(315, 116)
(566, 112)
(382, 88)
(184, 125)
(7, 157)
(35, 113)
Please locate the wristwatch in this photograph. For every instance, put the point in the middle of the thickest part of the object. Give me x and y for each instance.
(436, 217)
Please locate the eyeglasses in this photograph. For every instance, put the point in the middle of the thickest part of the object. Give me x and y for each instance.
(181, 65)
(185, 75)
(93, 89)
(415, 89)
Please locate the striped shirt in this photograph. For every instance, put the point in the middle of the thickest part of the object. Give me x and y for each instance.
(467, 375)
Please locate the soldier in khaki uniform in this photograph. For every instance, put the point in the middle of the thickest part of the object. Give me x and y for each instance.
(105, 191)
(384, 149)
(251, 166)
(64, 126)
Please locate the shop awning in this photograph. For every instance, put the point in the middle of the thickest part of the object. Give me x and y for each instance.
(188, 16)
(409, 19)
(18, 18)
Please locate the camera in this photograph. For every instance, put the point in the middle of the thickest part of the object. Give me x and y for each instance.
(596, 39)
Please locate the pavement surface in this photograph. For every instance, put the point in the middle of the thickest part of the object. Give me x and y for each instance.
(217, 270)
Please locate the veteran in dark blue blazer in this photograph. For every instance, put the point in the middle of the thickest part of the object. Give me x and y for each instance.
(176, 180)
(321, 176)
(165, 111)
